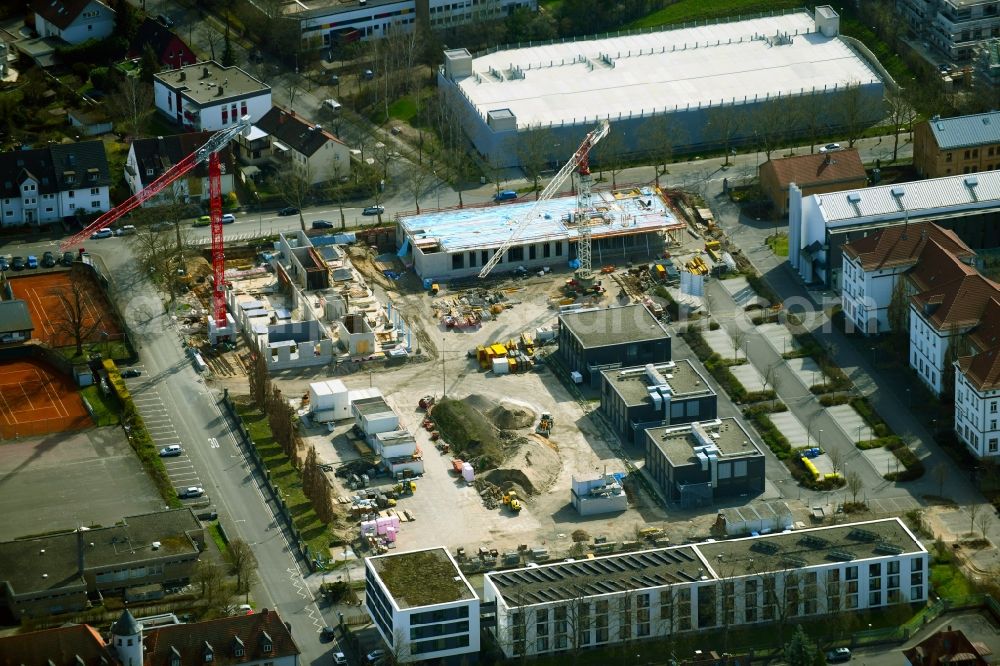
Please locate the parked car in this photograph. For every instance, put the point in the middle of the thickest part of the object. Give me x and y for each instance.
(838, 655)
(171, 451)
(322, 224)
(244, 609)
(17, 263)
(375, 656)
(191, 492)
(332, 105)
(131, 372)
(165, 20)
(67, 259)
(830, 148)
(369, 75)
(4, 264)
(373, 210)
(506, 195)
(203, 221)
(32, 261)
(126, 230)
(102, 233)
(228, 218)
(327, 633)
(288, 210)
(48, 260)
(165, 226)
(338, 658)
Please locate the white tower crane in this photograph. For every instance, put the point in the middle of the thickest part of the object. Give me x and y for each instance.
(580, 161)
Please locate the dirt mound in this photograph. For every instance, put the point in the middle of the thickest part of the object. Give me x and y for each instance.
(511, 416)
(533, 468)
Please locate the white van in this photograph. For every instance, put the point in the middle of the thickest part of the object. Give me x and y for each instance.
(126, 230)
(332, 105)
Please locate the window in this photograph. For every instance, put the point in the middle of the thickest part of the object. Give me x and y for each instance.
(947, 158)
(993, 445)
(95, 204)
(993, 407)
(225, 115)
(547, 250)
(72, 193)
(558, 248)
(94, 191)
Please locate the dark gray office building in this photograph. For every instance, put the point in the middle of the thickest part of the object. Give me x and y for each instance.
(602, 339)
(697, 464)
(641, 397)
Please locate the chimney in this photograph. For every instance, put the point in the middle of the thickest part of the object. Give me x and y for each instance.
(182, 76)
(263, 611)
(204, 72)
(219, 92)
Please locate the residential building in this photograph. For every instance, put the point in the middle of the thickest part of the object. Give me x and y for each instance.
(314, 154)
(949, 302)
(819, 225)
(73, 21)
(948, 646)
(42, 186)
(952, 27)
(792, 576)
(874, 266)
(55, 574)
(171, 51)
(813, 174)
(329, 23)
(641, 397)
(604, 339)
(986, 67)
(977, 385)
(959, 145)
(258, 639)
(206, 96)
(696, 464)
(148, 159)
(422, 605)
(15, 322)
(687, 75)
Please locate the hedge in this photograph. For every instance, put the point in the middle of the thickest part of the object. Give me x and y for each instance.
(778, 443)
(863, 407)
(139, 438)
(914, 467)
(834, 399)
(879, 442)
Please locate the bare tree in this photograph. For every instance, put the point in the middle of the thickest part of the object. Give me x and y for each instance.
(160, 252)
(295, 189)
(723, 124)
(533, 149)
(661, 135)
(770, 123)
(974, 512)
(738, 336)
(854, 485)
(812, 111)
(210, 579)
(836, 459)
(74, 317)
(243, 564)
(857, 111)
(609, 155)
(984, 521)
(417, 181)
(337, 191)
(210, 36)
(901, 117)
(131, 104)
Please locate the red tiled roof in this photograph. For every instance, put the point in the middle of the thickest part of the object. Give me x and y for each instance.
(946, 647)
(189, 640)
(958, 303)
(936, 265)
(59, 646)
(805, 170)
(902, 244)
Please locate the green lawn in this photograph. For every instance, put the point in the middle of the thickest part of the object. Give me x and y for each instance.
(287, 479)
(107, 410)
(217, 537)
(403, 109)
(115, 349)
(949, 582)
(700, 10)
(778, 244)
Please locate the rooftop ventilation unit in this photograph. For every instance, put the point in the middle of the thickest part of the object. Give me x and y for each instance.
(813, 542)
(898, 192)
(888, 549)
(854, 197)
(862, 535)
(841, 555)
(766, 547)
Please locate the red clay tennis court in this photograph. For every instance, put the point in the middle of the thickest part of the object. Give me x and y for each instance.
(48, 311)
(36, 400)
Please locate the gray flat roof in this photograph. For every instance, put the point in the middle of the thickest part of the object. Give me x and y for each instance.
(372, 406)
(663, 70)
(421, 578)
(14, 317)
(681, 375)
(192, 80)
(822, 545)
(677, 442)
(50, 562)
(971, 130)
(772, 553)
(613, 326)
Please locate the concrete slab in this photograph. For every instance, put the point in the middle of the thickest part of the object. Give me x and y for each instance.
(848, 419)
(722, 344)
(806, 369)
(779, 337)
(882, 460)
(740, 290)
(748, 376)
(791, 428)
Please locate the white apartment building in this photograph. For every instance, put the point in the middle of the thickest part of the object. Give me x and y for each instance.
(73, 21)
(755, 580)
(422, 605)
(148, 159)
(206, 96)
(40, 187)
(977, 386)
(338, 23)
(953, 27)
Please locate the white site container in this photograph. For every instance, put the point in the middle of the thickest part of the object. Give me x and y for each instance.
(501, 366)
(320, 396)
(467, 472)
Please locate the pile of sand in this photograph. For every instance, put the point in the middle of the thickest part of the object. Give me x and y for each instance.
(532, 468)
(512, 416)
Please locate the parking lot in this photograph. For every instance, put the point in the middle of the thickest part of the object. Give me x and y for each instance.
(67, 480)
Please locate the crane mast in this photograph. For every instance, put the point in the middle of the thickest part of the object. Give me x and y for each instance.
(208, 152)
(578, 160)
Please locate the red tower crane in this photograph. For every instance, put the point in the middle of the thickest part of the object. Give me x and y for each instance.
(210, 152)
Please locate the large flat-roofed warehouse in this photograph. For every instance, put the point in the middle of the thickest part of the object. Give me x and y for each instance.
(456, 243)
(686, 74)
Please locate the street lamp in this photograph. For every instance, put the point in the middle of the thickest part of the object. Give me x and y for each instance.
(819, 440)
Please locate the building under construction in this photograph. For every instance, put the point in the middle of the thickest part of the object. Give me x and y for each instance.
(632, 224)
